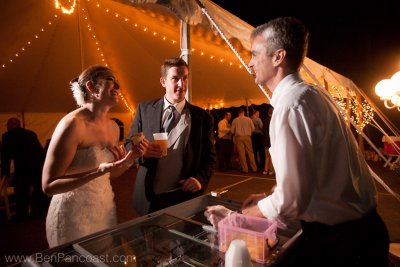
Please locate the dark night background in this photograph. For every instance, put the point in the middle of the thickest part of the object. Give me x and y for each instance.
(359, 40)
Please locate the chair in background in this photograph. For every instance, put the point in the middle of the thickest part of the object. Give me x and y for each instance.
(6, 202)
(391, 148)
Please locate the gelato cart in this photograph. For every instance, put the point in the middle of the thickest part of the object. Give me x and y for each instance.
(177, 236)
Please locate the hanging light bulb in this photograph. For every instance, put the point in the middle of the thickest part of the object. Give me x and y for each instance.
(395, 99)
(382, 89)
(389, 91)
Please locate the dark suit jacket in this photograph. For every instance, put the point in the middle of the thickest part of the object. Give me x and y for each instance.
(199, 155)
(23, 146)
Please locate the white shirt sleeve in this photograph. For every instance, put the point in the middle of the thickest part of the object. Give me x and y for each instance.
(291, 150)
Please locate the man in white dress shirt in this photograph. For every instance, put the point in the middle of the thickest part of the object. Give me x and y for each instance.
(225, 149)
(322, 179)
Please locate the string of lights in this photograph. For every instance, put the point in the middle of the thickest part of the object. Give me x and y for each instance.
(90, 28)
(134, 25)
(29, 42)
(147, 29)
(72, 7)
(363, 117)
(366, 110)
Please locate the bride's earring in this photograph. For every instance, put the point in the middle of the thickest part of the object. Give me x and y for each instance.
(92, 90)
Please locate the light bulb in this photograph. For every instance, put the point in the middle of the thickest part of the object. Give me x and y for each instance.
(395, 99)
(382, 88)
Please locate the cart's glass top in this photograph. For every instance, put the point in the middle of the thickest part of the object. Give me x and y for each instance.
(163, 240)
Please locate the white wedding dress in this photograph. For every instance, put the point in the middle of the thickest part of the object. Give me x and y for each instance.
(86, 209)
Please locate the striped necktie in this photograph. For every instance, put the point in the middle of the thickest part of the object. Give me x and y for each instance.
(169, 121)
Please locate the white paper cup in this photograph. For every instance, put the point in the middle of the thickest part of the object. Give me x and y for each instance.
(237, 254)
(162, 140)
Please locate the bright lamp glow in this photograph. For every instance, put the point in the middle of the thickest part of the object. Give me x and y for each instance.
(389, 91)
(395, 99)
(382, 88)
(396, 77)
(65, 10)
(396, 82)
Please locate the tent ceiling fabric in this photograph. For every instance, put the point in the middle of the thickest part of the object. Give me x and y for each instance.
(133, 38)
(38, 79)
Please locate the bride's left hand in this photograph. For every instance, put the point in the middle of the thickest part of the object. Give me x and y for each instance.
(122, 159)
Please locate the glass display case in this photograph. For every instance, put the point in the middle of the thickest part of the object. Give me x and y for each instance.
(176, 236)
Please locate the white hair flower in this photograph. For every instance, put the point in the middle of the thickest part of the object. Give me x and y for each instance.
(78, 94)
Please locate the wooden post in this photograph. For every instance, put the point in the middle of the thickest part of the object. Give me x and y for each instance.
(185, 54)
(360, 121)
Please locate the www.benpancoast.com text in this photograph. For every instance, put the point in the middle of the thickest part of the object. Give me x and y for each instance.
(61, 257)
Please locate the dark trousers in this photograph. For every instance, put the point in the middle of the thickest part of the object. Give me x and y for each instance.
(258, 149)
(22, 189)
(225, 151)
(363, 242)
(29, 197)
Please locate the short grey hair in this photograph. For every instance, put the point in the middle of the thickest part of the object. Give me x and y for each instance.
(286, 33)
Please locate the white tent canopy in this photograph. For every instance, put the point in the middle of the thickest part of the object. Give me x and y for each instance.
(42, 49)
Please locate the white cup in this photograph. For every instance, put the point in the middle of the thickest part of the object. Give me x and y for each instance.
(237, 254)
(162, 140)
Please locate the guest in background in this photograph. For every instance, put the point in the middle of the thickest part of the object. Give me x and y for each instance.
(186, 170)
(242, 128)
(23, 147)
(225, 142)
(82, 156)
(257, 140)
(268, 166)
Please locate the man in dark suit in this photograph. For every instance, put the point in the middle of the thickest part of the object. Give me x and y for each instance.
(186, 170)
(23, 146)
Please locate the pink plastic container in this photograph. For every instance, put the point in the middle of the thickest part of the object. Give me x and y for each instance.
(256, 232)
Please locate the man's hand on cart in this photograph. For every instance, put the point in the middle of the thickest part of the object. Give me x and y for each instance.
(216, 213)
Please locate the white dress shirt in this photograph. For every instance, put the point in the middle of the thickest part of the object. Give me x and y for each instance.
(179, 107)
(224, 129)
(321, 175)
(242, 125)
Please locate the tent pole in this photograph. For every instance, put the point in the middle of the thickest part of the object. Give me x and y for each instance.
(80, 35)
(185, 54)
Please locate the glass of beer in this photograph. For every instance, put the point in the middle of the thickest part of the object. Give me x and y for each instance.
(162, 140)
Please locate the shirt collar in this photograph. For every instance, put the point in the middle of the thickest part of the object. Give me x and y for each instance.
(179, 106)
(282, 85)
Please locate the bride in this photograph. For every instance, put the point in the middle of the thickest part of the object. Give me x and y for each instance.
(83, 154)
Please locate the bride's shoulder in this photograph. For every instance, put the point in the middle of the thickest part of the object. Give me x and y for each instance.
(74, 122)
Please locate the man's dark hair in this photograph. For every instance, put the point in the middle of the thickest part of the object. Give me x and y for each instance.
(172, 62)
